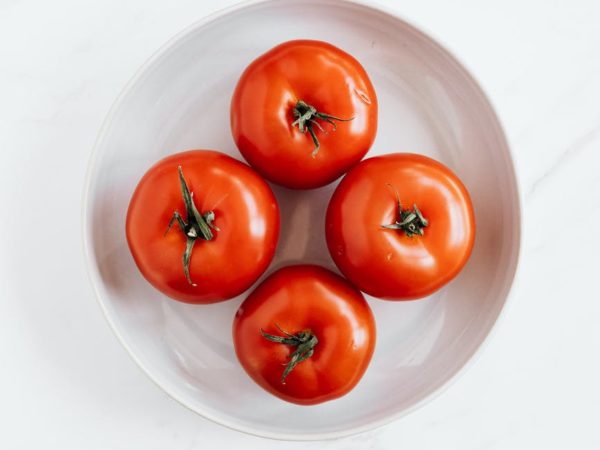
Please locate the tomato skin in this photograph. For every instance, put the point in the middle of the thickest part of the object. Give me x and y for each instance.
(298, 298)
(387, 263)
(262, 113)
(246, 214)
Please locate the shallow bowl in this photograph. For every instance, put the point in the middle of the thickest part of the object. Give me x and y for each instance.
(428, 104)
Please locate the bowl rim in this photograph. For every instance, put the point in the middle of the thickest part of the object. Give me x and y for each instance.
(94, 275)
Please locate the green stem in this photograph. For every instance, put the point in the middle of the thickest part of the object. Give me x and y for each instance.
(198, 226)
(306, 119)
(304, 341)
(411, 222)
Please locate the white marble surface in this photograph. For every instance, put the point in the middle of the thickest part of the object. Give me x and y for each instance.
(65, 381)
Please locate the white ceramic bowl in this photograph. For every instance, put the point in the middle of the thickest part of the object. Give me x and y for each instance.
(428, 104)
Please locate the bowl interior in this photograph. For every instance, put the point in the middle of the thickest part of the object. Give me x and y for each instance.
(428, 104)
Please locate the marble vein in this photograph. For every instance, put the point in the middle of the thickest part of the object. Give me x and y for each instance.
(570, 152)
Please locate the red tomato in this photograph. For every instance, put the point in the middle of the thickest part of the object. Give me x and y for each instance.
(228, 231)
(400, 255)
(305, 335)
(280, 135)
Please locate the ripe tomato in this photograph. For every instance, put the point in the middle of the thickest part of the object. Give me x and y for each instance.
(305, 335)
(225, 234)
(400, 255)
(304, 113)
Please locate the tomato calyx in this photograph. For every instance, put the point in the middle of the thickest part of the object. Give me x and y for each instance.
(198, 226)
(304, 341)
(410, 221)
(306, 119)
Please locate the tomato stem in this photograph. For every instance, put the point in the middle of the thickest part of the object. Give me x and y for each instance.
(198, 226)
(306, 119)
(411, 222)
(304, 341)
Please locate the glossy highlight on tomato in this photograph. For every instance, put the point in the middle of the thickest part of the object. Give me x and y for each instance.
(313, 305)
(380, 254)
(271, 102)
(238, 205)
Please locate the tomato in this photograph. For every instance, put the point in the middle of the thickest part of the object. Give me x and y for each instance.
(400, 251)
(304, 113)
(225, 234)
(305, 335)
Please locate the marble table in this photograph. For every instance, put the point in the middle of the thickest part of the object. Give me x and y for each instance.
(66, 382)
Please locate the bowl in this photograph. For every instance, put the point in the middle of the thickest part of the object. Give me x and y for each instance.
(428, 104)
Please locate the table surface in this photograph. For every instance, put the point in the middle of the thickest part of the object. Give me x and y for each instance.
(66, 382)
